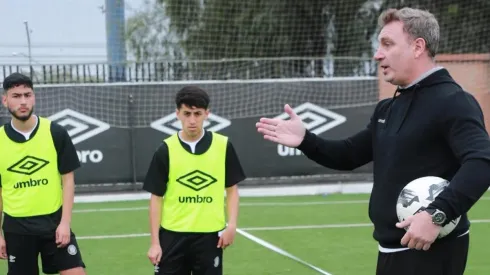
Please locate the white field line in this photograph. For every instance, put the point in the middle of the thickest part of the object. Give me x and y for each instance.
(252, 204)
(272, 191)
(115, 209)
(278, 250)
(267, 228)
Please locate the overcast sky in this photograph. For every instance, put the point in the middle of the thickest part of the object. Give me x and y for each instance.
(61, 30)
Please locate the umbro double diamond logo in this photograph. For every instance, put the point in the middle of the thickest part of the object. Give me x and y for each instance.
(28, 165)
(196, 180)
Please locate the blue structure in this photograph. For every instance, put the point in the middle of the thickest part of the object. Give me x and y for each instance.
(115, 41)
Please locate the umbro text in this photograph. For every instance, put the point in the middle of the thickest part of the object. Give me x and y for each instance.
(31, 183)
(195, 199)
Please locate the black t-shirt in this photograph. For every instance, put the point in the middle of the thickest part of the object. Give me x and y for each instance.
(67, 162)
(157, 176)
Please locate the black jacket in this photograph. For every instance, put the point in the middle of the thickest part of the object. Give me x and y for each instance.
(432, 128)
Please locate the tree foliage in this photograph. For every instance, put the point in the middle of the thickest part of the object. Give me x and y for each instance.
(306, 33)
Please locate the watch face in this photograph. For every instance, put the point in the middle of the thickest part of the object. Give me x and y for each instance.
(439, 218)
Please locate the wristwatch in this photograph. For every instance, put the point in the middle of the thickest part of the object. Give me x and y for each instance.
(438, 217)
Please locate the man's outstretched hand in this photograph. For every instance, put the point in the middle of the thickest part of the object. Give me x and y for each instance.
(286, 132)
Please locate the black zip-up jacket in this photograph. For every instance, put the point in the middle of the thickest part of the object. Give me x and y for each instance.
(432, 128)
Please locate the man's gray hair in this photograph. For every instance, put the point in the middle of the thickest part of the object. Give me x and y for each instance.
(417, 24)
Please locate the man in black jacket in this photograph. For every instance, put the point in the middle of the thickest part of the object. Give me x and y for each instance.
(431, 127)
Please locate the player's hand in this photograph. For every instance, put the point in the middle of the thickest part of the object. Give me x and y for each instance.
(226, 239)
(286, 132)
(3, 248)
(63, 234)
(155, 254)
(421, 231)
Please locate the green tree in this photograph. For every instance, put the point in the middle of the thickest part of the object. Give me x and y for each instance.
(219, 39)
(149, 36)
(232, 29)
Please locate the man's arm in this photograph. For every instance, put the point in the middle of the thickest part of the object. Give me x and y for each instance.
(68, 181)
(67, 163)
(232, 205)
(155, 213)
(3, 246)
(1, 207)
(156, 183)
(346, 154)
(464, 131)
(234, 175)
(1, 211)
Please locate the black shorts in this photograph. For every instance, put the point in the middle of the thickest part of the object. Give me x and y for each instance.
(23, 253)
(445, 258)
(183, 253)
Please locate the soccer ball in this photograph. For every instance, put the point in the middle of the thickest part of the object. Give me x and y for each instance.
(417, 195)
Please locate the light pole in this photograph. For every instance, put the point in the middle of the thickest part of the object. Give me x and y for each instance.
(28, 33)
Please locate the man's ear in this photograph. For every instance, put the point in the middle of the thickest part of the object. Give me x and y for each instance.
(4, 99)
(419, 47)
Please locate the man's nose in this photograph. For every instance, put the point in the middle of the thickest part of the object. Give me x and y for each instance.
(378, 55)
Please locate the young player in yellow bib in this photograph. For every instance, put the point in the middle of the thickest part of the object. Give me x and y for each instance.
(37, 188)
(187, 177)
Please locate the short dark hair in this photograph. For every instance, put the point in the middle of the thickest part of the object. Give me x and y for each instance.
(192, 96)
(16, 79)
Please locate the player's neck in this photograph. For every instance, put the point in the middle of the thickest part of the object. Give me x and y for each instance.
(188, 138)
(24, 126)
(422, 70)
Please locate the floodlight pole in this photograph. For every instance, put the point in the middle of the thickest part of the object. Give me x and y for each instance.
(29, 46)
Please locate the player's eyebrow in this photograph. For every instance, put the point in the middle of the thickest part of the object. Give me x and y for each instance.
(385, 39)
(17, 94)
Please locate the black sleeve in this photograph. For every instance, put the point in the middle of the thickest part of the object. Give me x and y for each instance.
(346, 154)
(234, 171)
(67, 154)
(464, 131)
(157, 175)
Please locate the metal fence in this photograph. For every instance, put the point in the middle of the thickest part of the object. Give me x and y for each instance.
(181, 70)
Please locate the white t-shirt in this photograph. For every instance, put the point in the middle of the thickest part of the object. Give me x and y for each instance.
(191, 144)
(27, 135)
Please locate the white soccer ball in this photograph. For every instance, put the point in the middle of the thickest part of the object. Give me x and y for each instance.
(417, 195)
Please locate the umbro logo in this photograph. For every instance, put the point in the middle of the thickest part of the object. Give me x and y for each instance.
(80, 127)
(196, 180)
(28, 165)
(170, 124)
(315, 118)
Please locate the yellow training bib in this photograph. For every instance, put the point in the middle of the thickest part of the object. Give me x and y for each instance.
(31, 183)
(194, 200)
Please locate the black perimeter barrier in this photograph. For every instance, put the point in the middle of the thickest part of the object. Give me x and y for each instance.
(117, 127)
